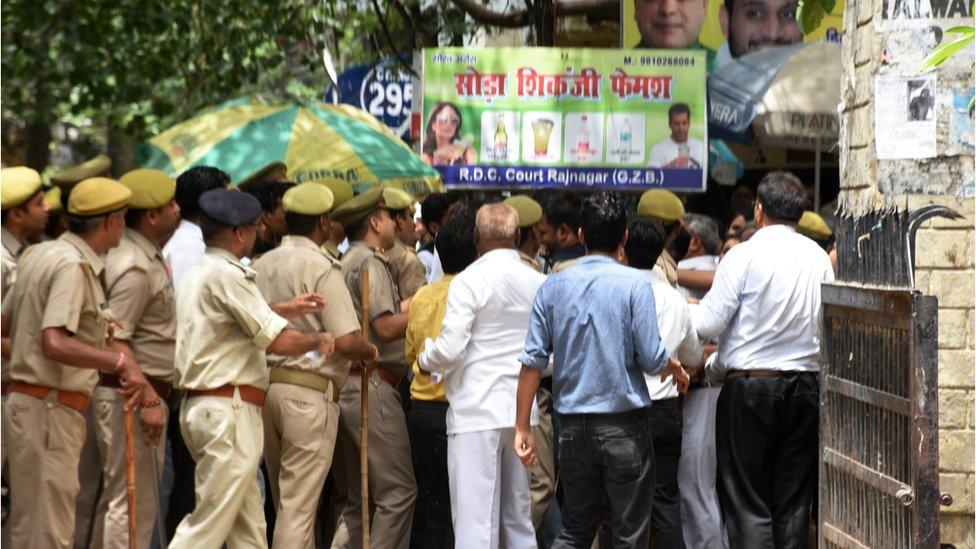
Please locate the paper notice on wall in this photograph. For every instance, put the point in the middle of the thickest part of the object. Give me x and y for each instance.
(904, 116)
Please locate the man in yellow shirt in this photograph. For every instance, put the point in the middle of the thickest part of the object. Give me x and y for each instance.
(426, 420)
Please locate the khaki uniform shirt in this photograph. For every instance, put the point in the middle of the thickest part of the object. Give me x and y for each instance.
(298, 266)
(331, 250)
(562, 265)
(667, 268)
(383, 295)
(223, 325)
(9, 252)
(59, 286)
(530, 261)
(407, 269)
(140, 294)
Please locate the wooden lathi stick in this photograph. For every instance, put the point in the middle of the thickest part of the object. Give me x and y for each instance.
(364, 417)
(130, 475)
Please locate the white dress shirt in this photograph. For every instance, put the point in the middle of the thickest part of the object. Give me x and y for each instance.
(432, 264)
(183, 249)
(678, 335)
(697, 263)
(765, 302)
(483, 332)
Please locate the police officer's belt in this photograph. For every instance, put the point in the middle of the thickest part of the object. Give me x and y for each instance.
(162, 389)
(309, 380)
(72, 399)
(249, 393)
(384, 373)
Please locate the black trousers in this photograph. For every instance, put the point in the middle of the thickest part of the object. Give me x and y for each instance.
(427, 425)
(766, 445)
(666, 515)
(606, 460)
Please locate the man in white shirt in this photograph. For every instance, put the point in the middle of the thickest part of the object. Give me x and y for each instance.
(704, 246)
(645, 242)
(186, 245)
(765, 304)
(678, 150)
(487, 316)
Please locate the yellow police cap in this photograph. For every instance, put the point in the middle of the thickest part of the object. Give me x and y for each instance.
(397, 199)
(150, 188)
(308, 199)
(529, 211)
(362, 205)
(52, 197)
(264, 173)
(660, 205)
(95, 167)
(811, 225)
(341, 191)
(18, 185)
(97, 196)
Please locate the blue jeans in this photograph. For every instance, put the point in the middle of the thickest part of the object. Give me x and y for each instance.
(606, 460)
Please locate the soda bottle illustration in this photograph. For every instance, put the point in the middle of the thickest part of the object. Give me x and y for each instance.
(583, 140)
(501, 140)
(625, 135)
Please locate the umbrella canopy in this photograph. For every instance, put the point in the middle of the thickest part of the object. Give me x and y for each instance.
(789, 95)
(316, 141)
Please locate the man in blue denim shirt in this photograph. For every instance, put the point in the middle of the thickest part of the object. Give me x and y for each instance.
(598, 321)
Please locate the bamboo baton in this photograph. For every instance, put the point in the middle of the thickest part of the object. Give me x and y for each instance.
(364, 415)
(130, 475)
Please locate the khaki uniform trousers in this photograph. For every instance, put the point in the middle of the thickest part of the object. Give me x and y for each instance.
(542, 477)
(300, 426)
(43, 470)
(113, 510)
(392, 488)
(224, 436)
(87, 525)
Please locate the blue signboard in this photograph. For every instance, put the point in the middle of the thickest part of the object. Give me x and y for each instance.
(382, 90)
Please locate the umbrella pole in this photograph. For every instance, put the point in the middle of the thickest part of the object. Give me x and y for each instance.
(816, 179)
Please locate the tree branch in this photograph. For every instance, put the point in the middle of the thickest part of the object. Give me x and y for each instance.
(485, 16)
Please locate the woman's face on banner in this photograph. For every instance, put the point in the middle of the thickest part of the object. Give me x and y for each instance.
(446, 123)
(755, 25)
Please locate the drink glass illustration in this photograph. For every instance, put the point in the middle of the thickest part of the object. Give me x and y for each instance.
(542, 131)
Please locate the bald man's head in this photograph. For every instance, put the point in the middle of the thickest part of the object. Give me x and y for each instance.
(496, 226)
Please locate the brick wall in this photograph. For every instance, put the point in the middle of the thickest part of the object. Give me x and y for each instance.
(945, 251)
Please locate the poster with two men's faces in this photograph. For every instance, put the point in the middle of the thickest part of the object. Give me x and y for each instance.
(726, 29)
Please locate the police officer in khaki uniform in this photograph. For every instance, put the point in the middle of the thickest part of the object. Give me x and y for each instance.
(301, 414)
(89, 467)
(57, 318)
(140, 294)
(341, 193)
(407, 269)
(529, 213)
(224, 327)
(393, 489)
(55, 210)
(665, 207)
(542, 477)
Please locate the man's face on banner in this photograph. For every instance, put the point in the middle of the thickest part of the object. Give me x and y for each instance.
(669, 24)
(755, 25)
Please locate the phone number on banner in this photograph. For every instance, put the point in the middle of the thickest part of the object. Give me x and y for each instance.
(467, 177)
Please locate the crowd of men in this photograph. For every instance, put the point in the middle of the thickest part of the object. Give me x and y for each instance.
(561, 370)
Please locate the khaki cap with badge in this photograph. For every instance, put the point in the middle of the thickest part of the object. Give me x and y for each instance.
(660, 205)
(150, 188)
(362, 205)
(18, 185)
(529, 211)
(308, 199)
(97, 196)
(94, 167)
(275, 171)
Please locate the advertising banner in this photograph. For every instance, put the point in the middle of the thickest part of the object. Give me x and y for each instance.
(383, 90)
(509, 118)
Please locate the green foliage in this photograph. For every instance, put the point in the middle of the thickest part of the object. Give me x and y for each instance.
(947, 49)
(809, 13)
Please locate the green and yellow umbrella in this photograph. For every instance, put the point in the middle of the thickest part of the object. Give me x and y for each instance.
(316, 141)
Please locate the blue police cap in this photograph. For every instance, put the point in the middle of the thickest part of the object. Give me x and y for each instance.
(232, 208)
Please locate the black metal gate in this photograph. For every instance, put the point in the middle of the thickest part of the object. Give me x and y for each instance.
(879, 457)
